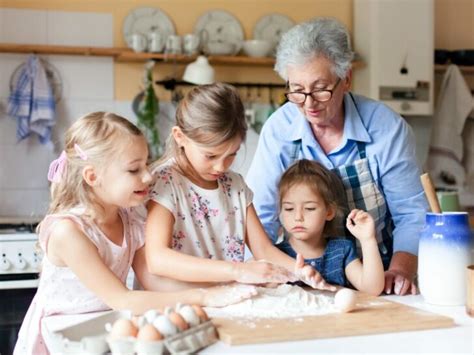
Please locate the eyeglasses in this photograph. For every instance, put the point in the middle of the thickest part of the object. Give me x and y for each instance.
(298, 97)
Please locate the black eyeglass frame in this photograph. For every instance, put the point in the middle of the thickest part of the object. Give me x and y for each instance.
(306, 94)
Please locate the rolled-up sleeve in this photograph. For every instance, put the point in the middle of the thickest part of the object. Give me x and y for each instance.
(400, 182)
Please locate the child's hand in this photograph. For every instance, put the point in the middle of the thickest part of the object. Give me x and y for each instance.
(261, 272)
(221, 296)
(361, 225)
(310, 276)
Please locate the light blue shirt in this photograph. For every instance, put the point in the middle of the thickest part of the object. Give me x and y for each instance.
(390, 149)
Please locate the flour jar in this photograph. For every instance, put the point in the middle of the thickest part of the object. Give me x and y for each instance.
(444, 254)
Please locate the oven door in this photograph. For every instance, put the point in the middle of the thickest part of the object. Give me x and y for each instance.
(13, 306)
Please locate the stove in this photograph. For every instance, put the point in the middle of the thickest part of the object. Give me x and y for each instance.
(20, 257)
(20, 260)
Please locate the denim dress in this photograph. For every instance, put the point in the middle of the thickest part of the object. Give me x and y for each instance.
(339, 253)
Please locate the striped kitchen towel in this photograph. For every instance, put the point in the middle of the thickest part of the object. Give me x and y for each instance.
(31, 102)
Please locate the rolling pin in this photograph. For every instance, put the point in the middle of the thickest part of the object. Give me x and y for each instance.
(430, 193)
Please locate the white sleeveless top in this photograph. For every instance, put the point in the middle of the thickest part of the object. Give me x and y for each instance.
(60, 291)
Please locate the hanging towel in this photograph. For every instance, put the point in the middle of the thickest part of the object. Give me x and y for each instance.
(31, 102)
(445, 155)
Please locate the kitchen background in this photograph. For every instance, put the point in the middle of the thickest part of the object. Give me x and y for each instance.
(99, 83)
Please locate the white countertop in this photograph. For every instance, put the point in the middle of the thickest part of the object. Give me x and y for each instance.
(455, 340)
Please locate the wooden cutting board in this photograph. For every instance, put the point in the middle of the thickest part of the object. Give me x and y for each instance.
(373, 315)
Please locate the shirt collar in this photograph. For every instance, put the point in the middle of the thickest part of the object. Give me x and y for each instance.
(354, 128)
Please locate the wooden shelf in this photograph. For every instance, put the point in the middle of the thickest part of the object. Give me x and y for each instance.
(127, 55)
(440, 68)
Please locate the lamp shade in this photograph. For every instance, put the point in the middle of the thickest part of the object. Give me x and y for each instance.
(199, 72)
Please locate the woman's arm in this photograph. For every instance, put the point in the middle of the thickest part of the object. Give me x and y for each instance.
(369, 275)
(163, 260)
(68, 245)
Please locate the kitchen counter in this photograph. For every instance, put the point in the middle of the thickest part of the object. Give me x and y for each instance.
(454, 340)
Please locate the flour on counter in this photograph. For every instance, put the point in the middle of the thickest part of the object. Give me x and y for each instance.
(285, 301)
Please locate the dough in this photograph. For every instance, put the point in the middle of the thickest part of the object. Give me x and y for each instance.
(285, 301)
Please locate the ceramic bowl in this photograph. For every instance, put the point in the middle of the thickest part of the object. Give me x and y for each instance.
(220, 48)
(257, 47)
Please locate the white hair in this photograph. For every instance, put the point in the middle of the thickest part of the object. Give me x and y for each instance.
(320, 36)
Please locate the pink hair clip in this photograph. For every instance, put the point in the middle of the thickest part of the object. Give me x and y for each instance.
(80, 152)
(57, 168)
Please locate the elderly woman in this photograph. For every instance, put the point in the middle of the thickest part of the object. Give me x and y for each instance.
(367, 144)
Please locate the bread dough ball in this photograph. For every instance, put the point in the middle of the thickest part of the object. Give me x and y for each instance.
(345, 300)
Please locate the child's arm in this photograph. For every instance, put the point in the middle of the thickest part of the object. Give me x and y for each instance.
(163, 260)
(68, 247)
(263, 249)
(369, 275)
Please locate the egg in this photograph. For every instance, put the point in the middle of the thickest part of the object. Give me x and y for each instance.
(178, 320)
(189, 314)
(165, 326)
(149, 333)
(123, 328)
(150, 315)
(345, 300)
(200, 313)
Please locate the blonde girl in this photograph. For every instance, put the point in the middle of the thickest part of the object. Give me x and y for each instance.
(310, 207)
(92, 234)
(201, 216)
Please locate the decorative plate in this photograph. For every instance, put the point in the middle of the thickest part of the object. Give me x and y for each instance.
(218, 26)
(144, 20)
(271, 27)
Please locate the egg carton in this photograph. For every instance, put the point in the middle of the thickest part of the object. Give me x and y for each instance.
(91, 338)
(87, 337)
(192, 340)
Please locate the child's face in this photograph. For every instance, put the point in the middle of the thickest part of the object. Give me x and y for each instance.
(304, 213)
(211, 162)
(124, 182)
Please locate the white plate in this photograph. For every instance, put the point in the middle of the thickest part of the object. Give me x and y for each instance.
(221, 27)
(144, 20)
(271, 27)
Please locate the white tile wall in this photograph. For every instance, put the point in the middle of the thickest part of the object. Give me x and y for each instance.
(24, 26)
(75, 29)
(88, 85)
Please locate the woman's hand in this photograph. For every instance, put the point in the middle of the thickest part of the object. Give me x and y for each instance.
(221, 296)
(310, 276)
(262, 272)
(361, 225)
(399, 278)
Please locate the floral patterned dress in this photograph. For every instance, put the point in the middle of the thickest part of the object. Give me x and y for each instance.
(208, 223)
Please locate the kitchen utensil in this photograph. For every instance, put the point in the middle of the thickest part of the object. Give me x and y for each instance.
(430, 193)
(443, 255)
(470, 291)
(441, 56)
(220, 33)
(257, 47)
(463, 57)
(144, 20)
(271, 27)
(139, 42)
(448, 201)
(191, 44)
(173, 45)
(156, 41)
